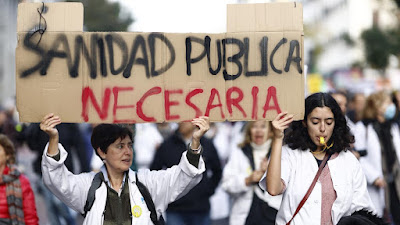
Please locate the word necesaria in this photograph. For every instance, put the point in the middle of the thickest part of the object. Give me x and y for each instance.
(156, 53)
(172, 99)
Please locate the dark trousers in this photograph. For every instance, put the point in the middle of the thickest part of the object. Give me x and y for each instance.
(261, 213)
(188, 218)
(394, 204)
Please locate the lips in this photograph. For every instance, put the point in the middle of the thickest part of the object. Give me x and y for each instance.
(126, 160)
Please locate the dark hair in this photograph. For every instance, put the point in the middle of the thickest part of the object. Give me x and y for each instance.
(297, 135)
(105, 134)
(8, 146)
(394, 99)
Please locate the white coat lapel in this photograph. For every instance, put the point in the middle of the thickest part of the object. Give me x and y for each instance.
(141, 214)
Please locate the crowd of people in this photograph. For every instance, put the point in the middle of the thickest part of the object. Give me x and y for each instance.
(255, 172)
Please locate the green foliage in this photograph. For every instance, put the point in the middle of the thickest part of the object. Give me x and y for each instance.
(377, 47)
(101, 15)
(394, 39)
(397, 3)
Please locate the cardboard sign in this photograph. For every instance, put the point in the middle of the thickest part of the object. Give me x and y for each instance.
(252, 72)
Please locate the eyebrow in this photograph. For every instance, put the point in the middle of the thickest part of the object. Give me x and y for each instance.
(317, 118)
(130, 142)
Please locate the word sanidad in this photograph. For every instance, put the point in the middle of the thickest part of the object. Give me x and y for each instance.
(99, 52)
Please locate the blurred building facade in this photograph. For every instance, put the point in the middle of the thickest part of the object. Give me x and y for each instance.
(333, 30)
(8, 42)
(333, 44)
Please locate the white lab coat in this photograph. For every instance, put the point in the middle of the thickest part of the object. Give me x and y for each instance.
(358, 130)
(233, 182)
(298, 171)
(372, 164)
(164, 186)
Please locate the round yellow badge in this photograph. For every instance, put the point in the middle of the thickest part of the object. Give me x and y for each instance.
(136, 211)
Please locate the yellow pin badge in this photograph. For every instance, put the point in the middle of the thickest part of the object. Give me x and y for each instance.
(136, 211)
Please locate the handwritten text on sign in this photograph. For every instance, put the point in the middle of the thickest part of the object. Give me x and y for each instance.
(153, 77)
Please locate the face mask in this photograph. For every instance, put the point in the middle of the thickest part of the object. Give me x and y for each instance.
(390, 112)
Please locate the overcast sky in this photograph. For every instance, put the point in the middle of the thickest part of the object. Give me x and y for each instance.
(182, 16)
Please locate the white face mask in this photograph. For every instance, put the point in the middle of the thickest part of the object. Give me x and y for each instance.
(390, 112)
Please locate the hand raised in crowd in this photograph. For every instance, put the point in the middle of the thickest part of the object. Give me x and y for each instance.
(203, 125)
(280, 123)
(49, 123)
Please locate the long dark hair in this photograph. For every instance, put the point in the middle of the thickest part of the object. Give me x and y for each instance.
(297, 135)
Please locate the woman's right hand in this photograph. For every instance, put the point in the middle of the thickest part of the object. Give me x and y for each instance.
(280, 123)
(48, 124)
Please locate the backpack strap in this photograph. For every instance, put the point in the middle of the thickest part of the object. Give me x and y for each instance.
(96, 183)
(149, 202)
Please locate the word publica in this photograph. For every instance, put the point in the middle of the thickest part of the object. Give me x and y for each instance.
(234, 95)
(101, 50)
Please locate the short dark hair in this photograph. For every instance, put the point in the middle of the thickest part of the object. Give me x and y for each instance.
(104, 135)
(297, 135)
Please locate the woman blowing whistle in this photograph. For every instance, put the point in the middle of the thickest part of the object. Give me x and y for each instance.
(318, 142)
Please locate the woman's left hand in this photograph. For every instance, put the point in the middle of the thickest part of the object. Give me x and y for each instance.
(203, 125)
(280, 123)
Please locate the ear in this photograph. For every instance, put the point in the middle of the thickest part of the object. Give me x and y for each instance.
(304, 123)
(101, 153)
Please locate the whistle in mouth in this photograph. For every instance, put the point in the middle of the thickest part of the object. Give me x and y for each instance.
(322, 140)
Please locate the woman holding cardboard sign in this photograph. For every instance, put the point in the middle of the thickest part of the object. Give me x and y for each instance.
(316, 149)
(118, 195)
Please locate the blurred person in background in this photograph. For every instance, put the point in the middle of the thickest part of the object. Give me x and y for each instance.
(166, 129)
(86, 130)
(356, 128)
(356, 107)
(221, 135)
(396, 101)
(247, 164)
(71, 137)
(194, 207)
(17, 201)
(381, 164)
(146, 140)
(8, 125)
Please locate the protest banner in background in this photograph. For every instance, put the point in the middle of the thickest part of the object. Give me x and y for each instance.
(252, 72)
